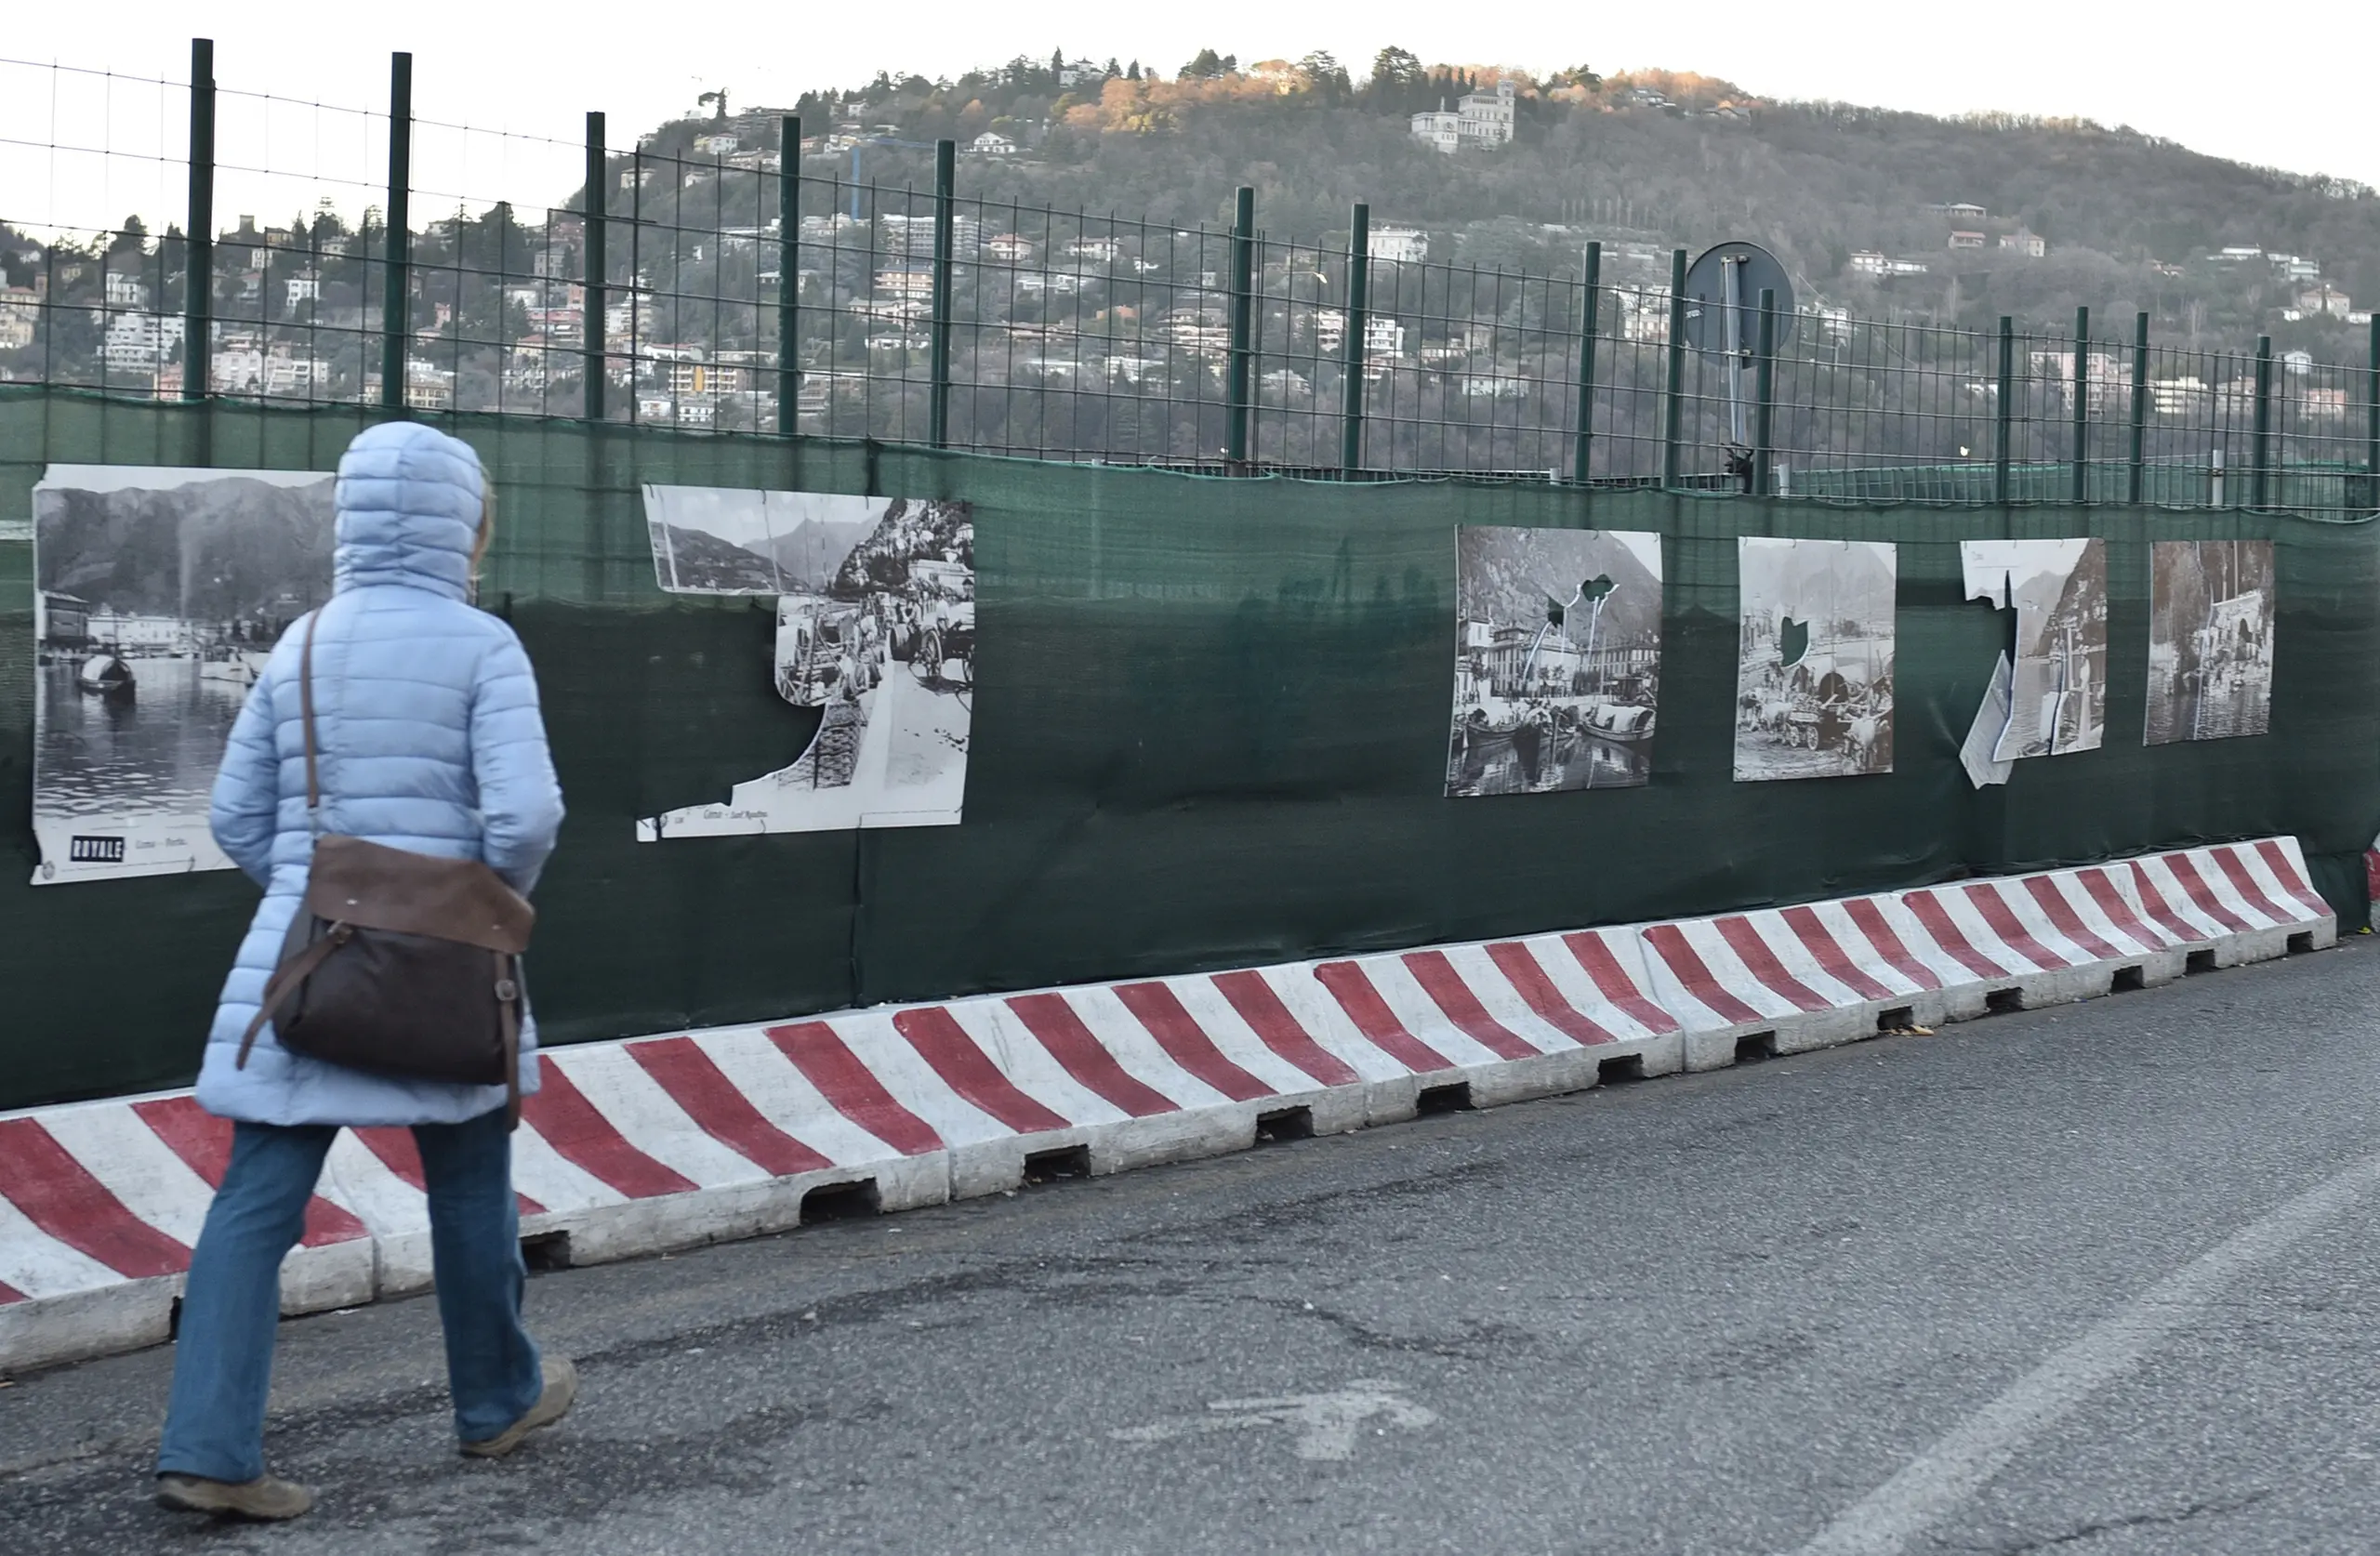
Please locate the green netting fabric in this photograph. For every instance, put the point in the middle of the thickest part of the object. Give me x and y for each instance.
(1211, 727)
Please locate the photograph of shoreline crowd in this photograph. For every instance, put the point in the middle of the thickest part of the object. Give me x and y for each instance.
(874, 626)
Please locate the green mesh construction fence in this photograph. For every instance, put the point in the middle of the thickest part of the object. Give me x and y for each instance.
(1210, 728)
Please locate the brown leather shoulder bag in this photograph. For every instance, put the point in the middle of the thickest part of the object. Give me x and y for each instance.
(397, 963)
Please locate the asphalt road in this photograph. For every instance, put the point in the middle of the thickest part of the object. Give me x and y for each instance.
(2090, 1280)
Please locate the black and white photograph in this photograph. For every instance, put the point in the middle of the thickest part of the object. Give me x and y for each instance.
(2210, 640)
(2057, 700)
(729, 540)
(158, 594)
(875, 627)
(1814, 665)
(1557, 666)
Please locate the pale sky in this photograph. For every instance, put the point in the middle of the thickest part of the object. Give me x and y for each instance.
(2289, 89)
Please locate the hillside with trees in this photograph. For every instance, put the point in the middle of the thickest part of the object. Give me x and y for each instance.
(2128, 221)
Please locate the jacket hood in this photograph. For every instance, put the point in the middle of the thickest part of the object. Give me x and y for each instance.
(409, 500)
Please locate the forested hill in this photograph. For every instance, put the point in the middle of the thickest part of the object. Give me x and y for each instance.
(1654, 157)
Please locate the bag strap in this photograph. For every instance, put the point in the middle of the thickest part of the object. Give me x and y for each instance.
(508, 1019)
(284, 982)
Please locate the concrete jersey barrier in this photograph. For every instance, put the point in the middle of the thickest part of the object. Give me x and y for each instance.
(654, 1143)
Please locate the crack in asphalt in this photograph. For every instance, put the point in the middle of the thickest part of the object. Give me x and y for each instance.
(2117, 1525)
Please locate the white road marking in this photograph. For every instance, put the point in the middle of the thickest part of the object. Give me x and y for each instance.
(1326, 1425)
(1964, 1462)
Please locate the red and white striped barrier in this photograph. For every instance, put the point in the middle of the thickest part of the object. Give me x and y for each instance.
(660, 1143)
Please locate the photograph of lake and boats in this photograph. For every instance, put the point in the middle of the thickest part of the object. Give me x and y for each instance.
(1557, 666)
(159, 595)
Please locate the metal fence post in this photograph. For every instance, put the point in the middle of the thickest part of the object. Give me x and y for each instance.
(1673, 422)
(2372, 413)
(1236, 377)
(1360, 276)
(2260, 440)
(198, 243)
(788, 273)
(1590, 327)
(2005, 411)
(1764, 414)
(597, 270)
(946, 181)
(2081, 486)
(2137, 487)
(396, 298)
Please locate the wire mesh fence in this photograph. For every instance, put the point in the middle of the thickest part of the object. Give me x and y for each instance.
(735, 277)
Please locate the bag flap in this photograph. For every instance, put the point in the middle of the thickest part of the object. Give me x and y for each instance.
(375, 887)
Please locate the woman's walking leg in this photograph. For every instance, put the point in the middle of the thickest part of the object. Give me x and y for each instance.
(232, 1302)
(492, 1365)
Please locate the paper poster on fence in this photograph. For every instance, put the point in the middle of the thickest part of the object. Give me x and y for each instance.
(2057, 700)
(1814, 664)
(2210, 640)
(158, 594)
(875, 627)
(1557, 666)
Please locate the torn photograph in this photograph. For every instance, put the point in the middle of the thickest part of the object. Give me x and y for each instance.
(2057, 700)
(875, 628)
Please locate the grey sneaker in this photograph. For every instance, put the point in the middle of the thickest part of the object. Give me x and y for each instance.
(562, 1389)
(266, 1499)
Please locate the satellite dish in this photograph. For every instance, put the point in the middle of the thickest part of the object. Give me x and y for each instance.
(1736, 273)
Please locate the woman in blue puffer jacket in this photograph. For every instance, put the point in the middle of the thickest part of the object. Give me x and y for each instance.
(429, 739)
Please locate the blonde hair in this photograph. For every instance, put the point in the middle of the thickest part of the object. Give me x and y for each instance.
(487, 529)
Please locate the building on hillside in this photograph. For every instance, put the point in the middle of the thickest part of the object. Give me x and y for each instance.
(1965, 238)
(2236, 253)
(2324, 299)
(127, 290)
(992, 144)
(1485, 120)
(1959, 210)
(913, 235)
(1398, 245)
(1871, 262)
(2025, 241)
(1383, 336)
(139, 342)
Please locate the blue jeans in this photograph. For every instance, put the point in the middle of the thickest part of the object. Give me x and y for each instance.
(223, 1354)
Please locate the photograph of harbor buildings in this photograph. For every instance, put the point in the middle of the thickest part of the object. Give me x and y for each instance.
(2210, 640)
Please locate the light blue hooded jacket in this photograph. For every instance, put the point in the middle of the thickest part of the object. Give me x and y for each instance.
(430, 739)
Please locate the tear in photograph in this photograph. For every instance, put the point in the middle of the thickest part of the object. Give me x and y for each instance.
(1814, 667)
(1558, 668)
(2057, 700)
(159, 594)
(875, 627)
(2210, 640)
